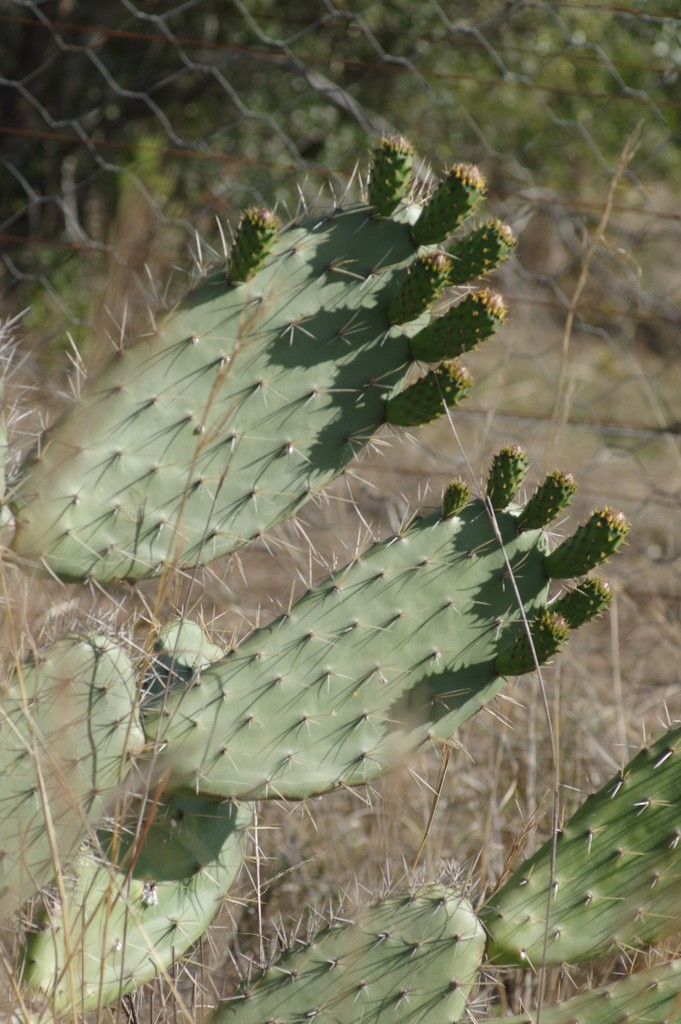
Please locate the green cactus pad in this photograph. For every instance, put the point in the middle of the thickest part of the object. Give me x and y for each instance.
(407, 959)
(242, 402)
(390, 176)
(457, 494)
(552, 496)
(506, 474)
(186, 643)
(583, 603)
(67, 723)
(549, 632)
(428, 397)
(421, 285)
(649, 997)
(590, 545)
(460, 329)
(453, 200)
(253, 243)
(185, 835)
(617, 876)
(395, 649)
(480, 251)
(126, 929)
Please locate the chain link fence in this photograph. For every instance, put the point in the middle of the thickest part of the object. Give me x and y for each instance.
(133, 134)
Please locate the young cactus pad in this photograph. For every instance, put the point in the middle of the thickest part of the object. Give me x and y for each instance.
(480, 251)
(246, 398)
(617, 876)
(390, 177)
(506, 474)
(68, 722)
(552, 496)
(411, 958)
(400, 647)
(457, 196)
(602, 535)
(185, 834)
(125, 925)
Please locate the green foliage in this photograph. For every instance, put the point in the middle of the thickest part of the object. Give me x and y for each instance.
(193, 127)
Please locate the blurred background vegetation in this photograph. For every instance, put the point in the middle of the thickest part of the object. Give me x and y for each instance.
(126, 127)
(132, 134)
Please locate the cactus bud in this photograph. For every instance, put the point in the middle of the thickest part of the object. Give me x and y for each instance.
(456, 495)
(254, 237)
(548, 501)
(424, 281)
(590, 545)
(390, 174)
(506, 474)
(426, 399)
(454, 198)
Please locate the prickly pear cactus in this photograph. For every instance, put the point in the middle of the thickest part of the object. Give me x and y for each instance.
(67, 729)
(653, 996)
(390, 653)
(616, 879)
(408, 958)
(129, 914)
(251, 394)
